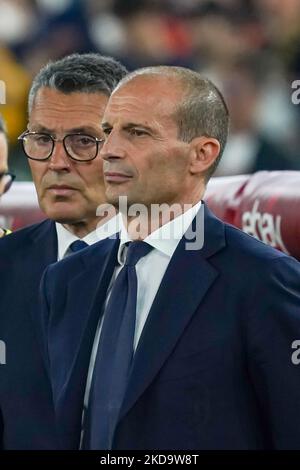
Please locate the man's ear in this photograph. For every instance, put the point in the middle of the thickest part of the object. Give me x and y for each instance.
(204, 151)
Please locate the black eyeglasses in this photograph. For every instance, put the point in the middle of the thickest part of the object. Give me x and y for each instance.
(79, 147)
(6, 180)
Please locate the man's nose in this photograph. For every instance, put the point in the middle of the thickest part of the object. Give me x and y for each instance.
(113, 147)
(59, 160)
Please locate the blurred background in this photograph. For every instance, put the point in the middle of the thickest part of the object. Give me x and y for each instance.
(249, 48)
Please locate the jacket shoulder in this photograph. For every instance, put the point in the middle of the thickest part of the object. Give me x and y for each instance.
(249, 259)
(20, 237)
(246, 245)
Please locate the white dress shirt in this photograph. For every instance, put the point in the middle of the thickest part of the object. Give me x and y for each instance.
(150, 271)
(66, 238)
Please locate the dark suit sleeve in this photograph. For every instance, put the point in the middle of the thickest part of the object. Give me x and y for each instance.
(273, 324)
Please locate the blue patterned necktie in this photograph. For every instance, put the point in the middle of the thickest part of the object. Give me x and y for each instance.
(114, 355)
(77, 246)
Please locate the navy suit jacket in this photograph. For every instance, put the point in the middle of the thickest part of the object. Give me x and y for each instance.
(26, 410)
(213, 368)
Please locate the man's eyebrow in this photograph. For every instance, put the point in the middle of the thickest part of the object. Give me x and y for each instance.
(75, 130)
(41, 128)
(129, 125)
(87, 129)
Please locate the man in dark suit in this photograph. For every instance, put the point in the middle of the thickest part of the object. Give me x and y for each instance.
(62, 143)
(198, 353)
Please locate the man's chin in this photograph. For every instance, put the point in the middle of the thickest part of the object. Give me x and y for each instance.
(65, 217)
(61, 211)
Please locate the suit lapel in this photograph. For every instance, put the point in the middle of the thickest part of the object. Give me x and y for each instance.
(185, 283)
(83, 313)
(69, 397)
(41, 252)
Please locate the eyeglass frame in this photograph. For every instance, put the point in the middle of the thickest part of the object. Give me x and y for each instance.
(8, 185)
(54, 140)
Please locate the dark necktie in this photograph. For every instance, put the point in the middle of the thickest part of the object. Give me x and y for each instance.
(77, 246)
(114, 355)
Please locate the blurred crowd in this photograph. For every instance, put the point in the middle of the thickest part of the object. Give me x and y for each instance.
(249, 48)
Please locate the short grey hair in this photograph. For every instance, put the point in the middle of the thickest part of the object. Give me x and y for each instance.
(202, 110)
(85, 73)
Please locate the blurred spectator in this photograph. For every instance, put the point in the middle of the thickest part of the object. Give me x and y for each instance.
(17, 81)
(6, 178)
(282, 26)
(207, 35)
(249, 147)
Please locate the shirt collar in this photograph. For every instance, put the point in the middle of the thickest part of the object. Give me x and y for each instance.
(65, 238)
(166, 238)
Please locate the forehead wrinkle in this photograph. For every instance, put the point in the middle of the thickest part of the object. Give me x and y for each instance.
(132, 109)
(157, 87)
(80, 116)
(60, 104)
(122, 100)
(70, 108)
(119, 104)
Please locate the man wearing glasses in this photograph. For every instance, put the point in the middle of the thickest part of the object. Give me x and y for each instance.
(62, 143)
(6, 178)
